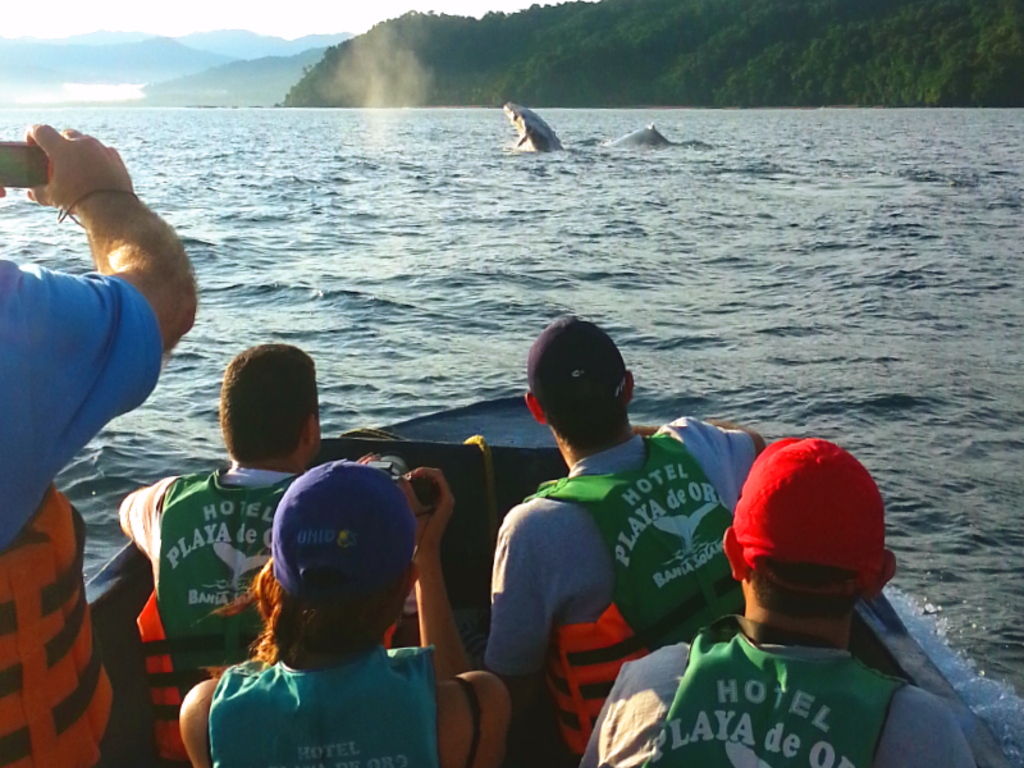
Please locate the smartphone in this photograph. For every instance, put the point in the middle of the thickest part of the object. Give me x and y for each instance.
(22, 165)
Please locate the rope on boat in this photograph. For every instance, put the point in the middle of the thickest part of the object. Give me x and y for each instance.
(490, 485)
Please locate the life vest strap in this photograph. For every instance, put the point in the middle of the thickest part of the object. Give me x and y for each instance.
(8, 618)
(10, 680)
(17, 745)
(166, 712)
(57, 647)
(572, 720)
(54, 595)
(587, 690)
(185, 680)
(191, 644)
(649, 636)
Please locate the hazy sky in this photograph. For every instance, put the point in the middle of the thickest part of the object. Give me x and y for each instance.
(284, 18)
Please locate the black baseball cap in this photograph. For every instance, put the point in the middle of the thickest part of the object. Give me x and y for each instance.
(573, 360)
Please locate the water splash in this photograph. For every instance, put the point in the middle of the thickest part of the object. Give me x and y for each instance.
(996, 702)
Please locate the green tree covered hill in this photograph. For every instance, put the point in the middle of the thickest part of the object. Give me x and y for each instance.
(748, 53)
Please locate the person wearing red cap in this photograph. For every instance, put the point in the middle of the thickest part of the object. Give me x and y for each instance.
(621, 557)
(778, 686)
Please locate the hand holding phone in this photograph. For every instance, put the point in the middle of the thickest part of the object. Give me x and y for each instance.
(434, 519)
(22, 165)
(428, 493)
(426, 490)
(78, 166)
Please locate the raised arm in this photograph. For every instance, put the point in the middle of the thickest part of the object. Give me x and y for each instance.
(759, 443)
(128, 240)
(437, 623)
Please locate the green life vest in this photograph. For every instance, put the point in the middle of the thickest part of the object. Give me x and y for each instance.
(664, 525)
(739, 705)
(377, 710)
(213, 540)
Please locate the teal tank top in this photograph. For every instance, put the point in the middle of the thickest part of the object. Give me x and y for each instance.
(377, 710)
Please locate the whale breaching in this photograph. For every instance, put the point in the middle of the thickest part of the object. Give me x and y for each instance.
(534, 134)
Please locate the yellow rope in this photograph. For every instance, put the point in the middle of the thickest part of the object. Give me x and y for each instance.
(491, 487)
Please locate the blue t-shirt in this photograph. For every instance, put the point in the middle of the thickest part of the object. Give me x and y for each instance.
(74, 353)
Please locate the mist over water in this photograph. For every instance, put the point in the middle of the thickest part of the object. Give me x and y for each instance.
(377, 71)
(853, 274)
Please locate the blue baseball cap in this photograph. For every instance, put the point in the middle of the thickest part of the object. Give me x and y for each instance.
(573, 360)
(342, 529)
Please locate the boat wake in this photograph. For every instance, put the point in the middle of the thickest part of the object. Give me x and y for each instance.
(995, 702)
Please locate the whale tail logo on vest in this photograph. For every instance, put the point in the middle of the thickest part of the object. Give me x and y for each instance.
(685, 527)
(239, 565)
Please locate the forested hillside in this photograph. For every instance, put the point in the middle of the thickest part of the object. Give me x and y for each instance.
(747, 53)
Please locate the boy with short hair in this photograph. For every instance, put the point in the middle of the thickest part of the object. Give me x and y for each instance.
(208, 533)
(778, 685)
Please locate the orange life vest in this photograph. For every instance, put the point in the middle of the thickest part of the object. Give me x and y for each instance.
(584, 660)
(54, 693)
(664, 593)
(182, 635)
(167, 687)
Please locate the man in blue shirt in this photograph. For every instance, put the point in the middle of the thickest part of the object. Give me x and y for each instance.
(75, 351)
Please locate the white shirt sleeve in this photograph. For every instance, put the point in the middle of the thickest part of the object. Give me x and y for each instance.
(921, 732)
(725, 455)
(635, 711)
(551, 567)
(140, 516)
(521, 617)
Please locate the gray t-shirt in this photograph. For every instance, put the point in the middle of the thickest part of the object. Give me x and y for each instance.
(920, 731)
(552, 567)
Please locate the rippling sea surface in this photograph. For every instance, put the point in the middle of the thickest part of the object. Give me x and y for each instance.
(853, 274)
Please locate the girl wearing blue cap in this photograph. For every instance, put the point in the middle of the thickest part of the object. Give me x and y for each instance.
(321, 689)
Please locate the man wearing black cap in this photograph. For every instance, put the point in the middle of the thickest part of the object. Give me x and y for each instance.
(624, 555)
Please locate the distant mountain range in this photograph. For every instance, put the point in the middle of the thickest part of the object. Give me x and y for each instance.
(225, 68)
(257, 83)
(146, 62)
(239, 44)
(233, 43)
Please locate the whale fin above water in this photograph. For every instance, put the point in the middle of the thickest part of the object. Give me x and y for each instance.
(534, 134)
(645, 137)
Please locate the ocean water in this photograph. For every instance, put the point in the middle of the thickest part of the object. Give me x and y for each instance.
(852, 274)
